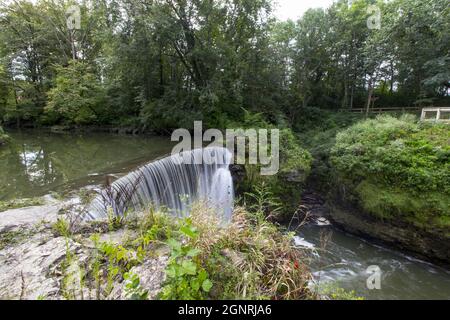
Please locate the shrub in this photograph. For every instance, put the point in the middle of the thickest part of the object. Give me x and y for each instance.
(78, 96)
(186, 278)
(317, 132)
(396, 166)
(61, 228)
(287, 184)
(250, 258)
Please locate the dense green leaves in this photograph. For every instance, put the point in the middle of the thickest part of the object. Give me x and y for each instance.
(397, 152)
(163, 64)
(78, 96)
(396, 166)
(186, 278)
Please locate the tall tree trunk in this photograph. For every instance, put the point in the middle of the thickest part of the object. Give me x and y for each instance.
(392, 78)
(345, 99)
(72, 43)
(352, 96)
(369, 97)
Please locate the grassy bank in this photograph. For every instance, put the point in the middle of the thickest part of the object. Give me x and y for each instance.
(396, 168)
(250, 258)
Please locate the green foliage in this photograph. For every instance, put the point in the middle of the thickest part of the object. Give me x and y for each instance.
(287, 184)
(249, 258)
(61, 228)
(154, 228)
(186, 279)
(252, 259)
(78, 96)
(133, 287)
(20, 203)
(8, 238)
(115, 261)
(263, 202)
(396, 152)
(317, 133)
(334, 292)
(86, 196)
(293, 158)
(165, 69)
(396, 166)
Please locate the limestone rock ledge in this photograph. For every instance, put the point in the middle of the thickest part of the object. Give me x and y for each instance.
(32, 259)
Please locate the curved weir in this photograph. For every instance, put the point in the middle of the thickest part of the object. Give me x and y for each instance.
(174, 183)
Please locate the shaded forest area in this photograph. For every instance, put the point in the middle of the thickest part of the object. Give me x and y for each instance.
(161, 64)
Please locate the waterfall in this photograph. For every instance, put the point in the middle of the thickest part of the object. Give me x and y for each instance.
(173, 183)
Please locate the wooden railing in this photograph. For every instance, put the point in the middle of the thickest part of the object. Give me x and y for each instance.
(442, 114)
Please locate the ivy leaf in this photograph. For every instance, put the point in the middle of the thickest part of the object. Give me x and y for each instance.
(189, 231)
(171, 272)
(193, 252)
(207, 285)
(174, 245)
(188, 267)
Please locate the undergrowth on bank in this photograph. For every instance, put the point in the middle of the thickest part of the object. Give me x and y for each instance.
(247, 259)
(396, 167)
(292, 167)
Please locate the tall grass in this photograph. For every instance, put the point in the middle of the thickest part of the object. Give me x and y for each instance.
(250, 258)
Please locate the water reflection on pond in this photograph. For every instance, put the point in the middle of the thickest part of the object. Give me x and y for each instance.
(38, 162)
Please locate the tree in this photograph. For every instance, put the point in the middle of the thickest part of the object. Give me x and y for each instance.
(78, 97)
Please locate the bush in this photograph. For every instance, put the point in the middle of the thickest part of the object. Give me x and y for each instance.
(396, 166)
(250, 258)
(78, 96)
(295, 165)
(288, 183)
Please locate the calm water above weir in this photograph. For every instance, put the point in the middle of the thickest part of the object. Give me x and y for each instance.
(37, 163)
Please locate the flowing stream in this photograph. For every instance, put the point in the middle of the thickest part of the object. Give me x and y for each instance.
(343, 260)
(38, 162)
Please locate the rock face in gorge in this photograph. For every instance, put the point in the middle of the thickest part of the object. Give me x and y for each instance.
(431, 244)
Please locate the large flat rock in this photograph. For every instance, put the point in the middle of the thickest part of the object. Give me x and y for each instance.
(28, 217)
(30, 270)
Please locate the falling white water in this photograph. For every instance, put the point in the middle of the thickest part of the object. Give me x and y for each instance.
(175, 183)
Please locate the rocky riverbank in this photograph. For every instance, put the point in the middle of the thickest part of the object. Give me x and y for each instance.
(148, 255)
(38, 263)
(431, 244)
